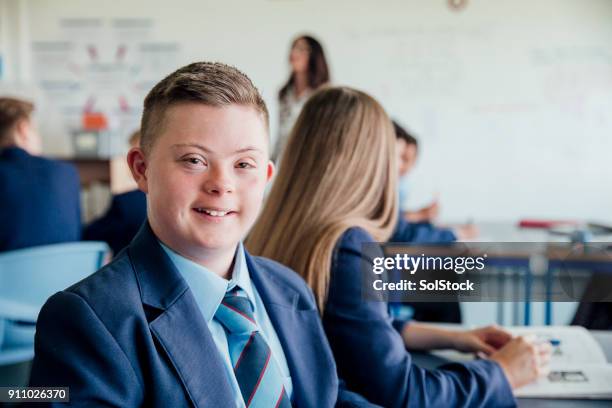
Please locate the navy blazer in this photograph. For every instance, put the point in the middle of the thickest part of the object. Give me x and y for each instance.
(420, 233)
(40, 201)
(121, 222)
(371, 355)
(132, 335)
(427, 233)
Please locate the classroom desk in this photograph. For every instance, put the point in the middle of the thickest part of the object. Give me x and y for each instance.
(91, 170)
(113, 172)
(507, 231)
(511, 232)
(520, 263)
(100, 178)
(435, 359)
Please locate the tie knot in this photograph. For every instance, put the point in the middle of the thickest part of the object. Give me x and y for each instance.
(235, 312)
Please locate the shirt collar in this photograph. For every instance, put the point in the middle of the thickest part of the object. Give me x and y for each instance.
(241, 276)
(209, 288)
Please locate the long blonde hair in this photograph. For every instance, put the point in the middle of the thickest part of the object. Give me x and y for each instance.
(338, 171)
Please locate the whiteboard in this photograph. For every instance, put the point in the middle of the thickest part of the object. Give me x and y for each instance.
(511, 100)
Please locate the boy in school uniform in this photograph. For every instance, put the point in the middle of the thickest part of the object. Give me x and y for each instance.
(123, 218)
(185, 316)
(416, 226)
(120, 222)
(40, 202)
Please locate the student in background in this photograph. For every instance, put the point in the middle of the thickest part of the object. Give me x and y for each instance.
(421, 232)
(124, 217)
(337, 191)
(308, 72)
(416, 226)
(408, 229)
(185, 316)
(407, 151)
(40, 198)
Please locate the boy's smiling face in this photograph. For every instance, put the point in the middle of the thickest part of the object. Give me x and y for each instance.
(205, 177)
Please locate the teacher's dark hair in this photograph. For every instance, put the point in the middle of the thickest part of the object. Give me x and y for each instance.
(318, 73)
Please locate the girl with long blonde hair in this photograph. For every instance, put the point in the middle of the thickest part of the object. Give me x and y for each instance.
(335, 191)
(306, 199)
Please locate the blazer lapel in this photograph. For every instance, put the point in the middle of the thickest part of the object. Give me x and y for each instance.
(179, 328)
(188, 342)
(311, 365)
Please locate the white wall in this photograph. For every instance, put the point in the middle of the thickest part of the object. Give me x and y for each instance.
(512, 100)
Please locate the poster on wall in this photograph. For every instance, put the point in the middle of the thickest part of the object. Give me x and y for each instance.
(97, 73)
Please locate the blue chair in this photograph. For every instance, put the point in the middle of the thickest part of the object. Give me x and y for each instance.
(28, 277)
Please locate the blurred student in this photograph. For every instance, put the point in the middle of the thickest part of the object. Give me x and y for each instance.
(185, 316)
(40, 201)
(407, 151)
(124, 217)
(410, 231)
(409, 228)
(308, 72)
(416, 226)
(337, 191)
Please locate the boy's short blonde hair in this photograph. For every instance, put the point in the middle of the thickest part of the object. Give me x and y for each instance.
(209, 83)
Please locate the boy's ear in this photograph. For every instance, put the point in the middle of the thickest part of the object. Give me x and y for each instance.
(270, 171)
(138, 166)
(27, 137)
(21, 131)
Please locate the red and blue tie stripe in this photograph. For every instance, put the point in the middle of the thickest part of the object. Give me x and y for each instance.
(258, 375)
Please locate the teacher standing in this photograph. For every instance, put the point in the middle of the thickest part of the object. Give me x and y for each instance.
(309, 71)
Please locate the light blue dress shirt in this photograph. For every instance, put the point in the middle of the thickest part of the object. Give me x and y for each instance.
(403, 188)
(209, 290)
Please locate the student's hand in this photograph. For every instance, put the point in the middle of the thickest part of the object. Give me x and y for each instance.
(465, 231)
(431, 211)
(523, 360)
(427, 213)
(485, 340)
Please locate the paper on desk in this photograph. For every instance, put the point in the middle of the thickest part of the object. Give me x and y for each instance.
(591, 381)
(577, 345)
(578, 366)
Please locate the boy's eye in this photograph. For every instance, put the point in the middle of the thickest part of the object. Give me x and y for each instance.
(245, 165)
(194, 161)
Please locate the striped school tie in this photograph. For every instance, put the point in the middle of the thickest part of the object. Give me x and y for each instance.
(259, 378)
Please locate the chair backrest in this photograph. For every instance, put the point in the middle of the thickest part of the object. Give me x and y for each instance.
(29, 276)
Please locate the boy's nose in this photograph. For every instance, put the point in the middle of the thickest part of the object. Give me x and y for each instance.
(218, 183)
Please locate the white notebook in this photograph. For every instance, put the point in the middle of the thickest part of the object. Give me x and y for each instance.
(578, 366)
